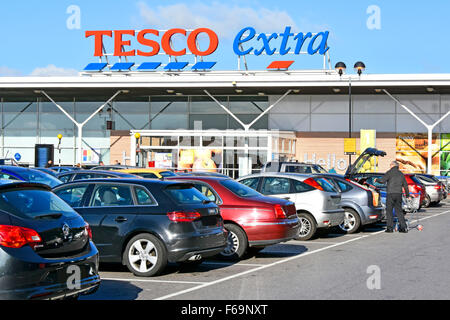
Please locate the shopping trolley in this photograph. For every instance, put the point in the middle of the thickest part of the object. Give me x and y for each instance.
(410, 206)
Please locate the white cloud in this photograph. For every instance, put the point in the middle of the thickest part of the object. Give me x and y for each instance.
(225, 19)
(8, 72)
(52, 70)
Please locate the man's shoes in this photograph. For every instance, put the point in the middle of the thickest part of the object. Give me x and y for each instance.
(403, 230)
(389, 230)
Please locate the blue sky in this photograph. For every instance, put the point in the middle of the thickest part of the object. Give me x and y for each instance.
(412, 37)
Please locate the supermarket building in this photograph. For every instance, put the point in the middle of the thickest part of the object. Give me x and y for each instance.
(229, 121)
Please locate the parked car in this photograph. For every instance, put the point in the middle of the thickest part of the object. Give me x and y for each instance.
(148, 173)
(317, 202)
(297, 167)
(61, 169)
(253, 221)
(434, 188)
(90, 174)
(113, 167)
(42, 242)
(28, 174)
(362, 204)
(202, 174)
(48, 171)
(146, 223)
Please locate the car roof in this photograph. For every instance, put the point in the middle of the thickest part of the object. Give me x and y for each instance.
(6, 184)
(206, 178)
(118, 173)
(136, 180)
(16, 168)
(149, 170)
(280, 174)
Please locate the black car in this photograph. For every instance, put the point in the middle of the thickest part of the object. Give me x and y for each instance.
(46, 250)
(90, 174)
(146, 223)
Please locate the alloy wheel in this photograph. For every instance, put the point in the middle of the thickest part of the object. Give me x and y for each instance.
(232, 244)
(143, 255)
(349, 222)
(305, 227)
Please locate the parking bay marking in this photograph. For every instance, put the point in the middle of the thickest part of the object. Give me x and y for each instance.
(154, 280)
(207, 284)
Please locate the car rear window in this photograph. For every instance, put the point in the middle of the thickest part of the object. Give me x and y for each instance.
(40, 177)
(167, 174)
(239, 189)
(326, 185)
(32, 203)
(185, 194)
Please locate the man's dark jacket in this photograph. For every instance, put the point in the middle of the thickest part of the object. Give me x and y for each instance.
(395, 181)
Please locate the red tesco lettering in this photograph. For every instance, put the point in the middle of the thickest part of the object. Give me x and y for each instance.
(122, 42)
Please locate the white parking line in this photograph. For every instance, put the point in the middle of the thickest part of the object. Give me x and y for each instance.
(204, 285)
(153, 280)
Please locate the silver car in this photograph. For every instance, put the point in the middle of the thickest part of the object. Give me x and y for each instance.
(433, 187)
(362, 204)
(318, 203)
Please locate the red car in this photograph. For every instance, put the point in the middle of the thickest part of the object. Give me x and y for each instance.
(415, 186)
(253, 221)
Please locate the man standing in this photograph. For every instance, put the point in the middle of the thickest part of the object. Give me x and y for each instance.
(395, 181)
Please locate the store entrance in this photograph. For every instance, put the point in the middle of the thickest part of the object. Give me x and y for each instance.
(233, 153)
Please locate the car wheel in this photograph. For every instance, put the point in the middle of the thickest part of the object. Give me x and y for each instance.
(351, 222)
(145, 255)
(427, 201)
(307, 228)
(237, 243)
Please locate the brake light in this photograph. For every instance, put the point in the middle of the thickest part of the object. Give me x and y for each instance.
(88, 230)
(375, 198)
(313, 183)
(437, 187)
(17, 237)
(279, 212)
(180, 216)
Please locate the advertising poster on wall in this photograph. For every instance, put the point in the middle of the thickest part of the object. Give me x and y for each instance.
(367, 139)
(200, 160)
(445, 154)
(163, 160)
(412, 152)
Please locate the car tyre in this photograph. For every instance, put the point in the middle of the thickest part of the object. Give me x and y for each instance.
(427, 201)
(351, 223)
(145, 255)
(307, 228)
(237, 243)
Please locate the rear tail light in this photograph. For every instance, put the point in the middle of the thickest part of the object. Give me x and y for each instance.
(375, 198)
(437, 187)
(279, 212)
(88, 230)
(180, 216)
(313, 183)
(17, 237)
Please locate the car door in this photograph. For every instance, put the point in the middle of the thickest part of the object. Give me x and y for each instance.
(110, 211)
(279, 187)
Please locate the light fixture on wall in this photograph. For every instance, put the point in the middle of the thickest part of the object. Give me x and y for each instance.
(336, 90)
(430, 89)
(239, 90)
(359, 67)
(340, 68)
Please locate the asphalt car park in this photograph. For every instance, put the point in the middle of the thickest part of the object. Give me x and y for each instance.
(333, 265)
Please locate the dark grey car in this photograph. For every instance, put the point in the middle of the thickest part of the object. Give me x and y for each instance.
(46, 250)
(145, 223)
(362, 205)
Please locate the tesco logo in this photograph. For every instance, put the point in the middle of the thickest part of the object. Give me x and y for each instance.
(144, 37)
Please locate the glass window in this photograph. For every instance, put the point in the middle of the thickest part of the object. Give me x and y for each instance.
(72, 195)
(274, 185)
(167, 174)
(111, 195)
(39, 177)
(206, 191)
(147, 175)
(251, 182)
(143, 198)
(344, 186)
(239, 189)
(34, 203)
(301, 186)
(185, 194)
(7, 176)
(65, 178)
(326, 185)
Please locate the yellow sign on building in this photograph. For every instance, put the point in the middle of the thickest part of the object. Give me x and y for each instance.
(350, 146)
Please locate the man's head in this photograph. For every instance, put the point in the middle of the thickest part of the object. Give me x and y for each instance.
(394, 164)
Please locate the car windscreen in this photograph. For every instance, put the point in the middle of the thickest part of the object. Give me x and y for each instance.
(40, 177)
(167, 174)
(319, 169)
(239, 189)
(34, 204)
(326, 185)
(185, 194)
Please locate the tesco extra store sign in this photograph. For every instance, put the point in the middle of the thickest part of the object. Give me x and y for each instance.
(247, 41)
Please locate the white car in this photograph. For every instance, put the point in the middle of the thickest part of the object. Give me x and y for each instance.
(318, 203)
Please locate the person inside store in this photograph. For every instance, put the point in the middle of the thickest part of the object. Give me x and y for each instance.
(396, 186)
(49, 163)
